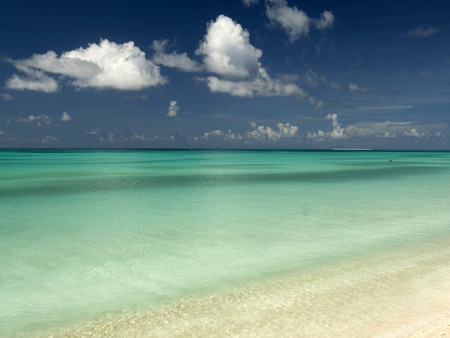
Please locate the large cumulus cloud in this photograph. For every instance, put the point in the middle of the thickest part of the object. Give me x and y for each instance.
(228, 53)
(104, 65)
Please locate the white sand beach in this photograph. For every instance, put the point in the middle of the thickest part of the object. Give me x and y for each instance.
(368, 298)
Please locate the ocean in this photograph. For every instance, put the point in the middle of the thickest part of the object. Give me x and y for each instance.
(223, 242)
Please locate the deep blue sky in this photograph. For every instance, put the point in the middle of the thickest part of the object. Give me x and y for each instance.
(264, 74)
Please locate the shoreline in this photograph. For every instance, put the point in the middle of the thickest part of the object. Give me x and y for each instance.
(370, 297)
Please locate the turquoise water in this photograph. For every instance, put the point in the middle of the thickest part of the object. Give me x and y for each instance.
(86, 233)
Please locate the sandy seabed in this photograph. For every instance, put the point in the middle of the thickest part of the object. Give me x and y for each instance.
(403, 294)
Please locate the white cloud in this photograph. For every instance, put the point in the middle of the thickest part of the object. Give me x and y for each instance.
(336, 133)
(40, 119)
(50, 140)
(93, 132)
(6, 97)
(122, 66)
(137, 137)
(220, 135)
(214, 133)
(389, 129)
(173, 109)
(385, 108)
(174, 60)
(134, 97)
(317, 103)
(65, 117)
(422, 32)
(104, 65)
(263, 85)
(295, 22)
(355, 88)
(284, 131)
(35, 80)
(51, 63)
(257, 133)
(385, 129)
(249, 3)
(414, 132)
(326, 20)
(227, 52)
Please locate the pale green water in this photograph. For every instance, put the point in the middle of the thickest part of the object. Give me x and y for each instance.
(84, 233)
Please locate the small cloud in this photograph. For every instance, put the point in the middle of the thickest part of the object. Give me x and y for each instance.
(422, 32)
(387, 130)
(137, 137)
(390, 129)
(93, 132)
(248, 3)
(6, 97)
(356, 88)
(318, 104)
(263, 85)
(285, 130)
(40, 119)
(135, 97)
(385, 108)
(282, 131)
(414, 133)
(326, 20)
(214, 133)
(174, 60)
(336, 133)
(47, 140)
(65, 117)
(295, 22)
(173, 109)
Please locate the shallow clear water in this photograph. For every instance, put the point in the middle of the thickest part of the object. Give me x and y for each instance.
(85, 233)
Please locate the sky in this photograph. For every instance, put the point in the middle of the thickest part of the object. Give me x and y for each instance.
(225, 74)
